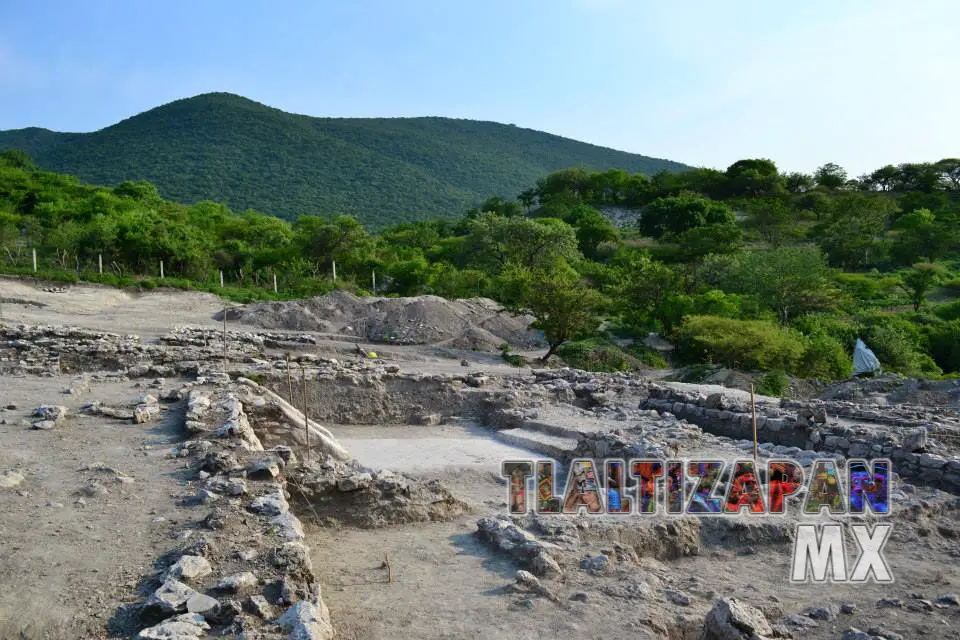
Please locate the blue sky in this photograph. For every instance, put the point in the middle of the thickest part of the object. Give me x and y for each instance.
(861, 82)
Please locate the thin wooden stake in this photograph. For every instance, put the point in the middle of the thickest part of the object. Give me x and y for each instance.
(389, 567)
(224, 339)
(290, 397)
(753, 412)
(306, 420)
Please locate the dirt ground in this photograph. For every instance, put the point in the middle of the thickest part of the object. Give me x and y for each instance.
(75, 541)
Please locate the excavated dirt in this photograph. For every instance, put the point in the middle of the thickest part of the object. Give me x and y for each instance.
(476, 323)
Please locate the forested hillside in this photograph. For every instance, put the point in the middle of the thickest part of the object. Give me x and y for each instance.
(229, 149)
(745, 267)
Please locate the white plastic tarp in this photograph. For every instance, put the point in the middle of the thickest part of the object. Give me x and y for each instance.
(864, 360)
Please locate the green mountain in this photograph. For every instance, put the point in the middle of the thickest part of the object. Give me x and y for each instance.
(224, 147)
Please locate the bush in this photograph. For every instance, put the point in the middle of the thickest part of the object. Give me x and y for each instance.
(949, 311)
(597, 354)
(897, 349)
(825, 359)
(739, 344)
(945, 346)
(844, 330)
(648, 356)
(774, 383)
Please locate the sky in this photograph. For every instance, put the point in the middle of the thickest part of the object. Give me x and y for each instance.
(862, 83)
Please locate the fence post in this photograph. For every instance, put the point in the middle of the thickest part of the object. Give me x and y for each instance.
(100, 263)
(274, 281)
(34, 260)
(373, 276)
(221, 279)
(161, 269)
(334, 270)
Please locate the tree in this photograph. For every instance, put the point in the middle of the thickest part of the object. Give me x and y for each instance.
(561, 303)
(797, 182)
(592, 229)
(949, 168)
(773, 220)
(831, 176)
(676, 214)
(494, 241)
(788, 280)
(852, 234)
(920, 280)
(753, 178)
(17, 158)
(885, 177)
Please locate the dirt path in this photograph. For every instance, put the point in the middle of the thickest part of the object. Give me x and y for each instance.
(57, 581)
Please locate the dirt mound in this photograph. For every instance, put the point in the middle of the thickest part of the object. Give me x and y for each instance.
(467, 324)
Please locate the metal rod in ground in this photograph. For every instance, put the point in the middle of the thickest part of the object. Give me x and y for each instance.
(306, 420)
(224, 339)
(753, 413)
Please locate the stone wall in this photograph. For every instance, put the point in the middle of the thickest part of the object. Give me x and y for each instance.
(916, 456)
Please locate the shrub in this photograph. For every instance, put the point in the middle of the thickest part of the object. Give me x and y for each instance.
(898, 350)
(739, 344)
(949, 311)
(597, 354)
(648, 356)
(825, 359)
(945, 346)
(774, 383)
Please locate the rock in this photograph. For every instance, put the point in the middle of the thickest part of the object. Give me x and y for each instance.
(915, 440)
(797, 621)
(288, 526)
(51, 412)
(889, 602)
(143, 413)
(11, 479)
(271, 504)
(265, 469)
(44, 425)
(544, 565)
(147, 399)
(949, 600)
(678, 598)
(630, 588)
(355, 482)
(260, 607)
(219, 462)
(170, 598)
(204, 605)
(306, 621)
(848, 608)
(852, 633)
(238, 582)
(294, 558)
(183, 627)
(596, 564)
(190, 568)
(932, 461)
(822, 613)
(579, 596)
(731, 619)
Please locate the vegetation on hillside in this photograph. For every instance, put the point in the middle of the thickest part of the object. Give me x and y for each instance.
(747, 267)
(228, 149)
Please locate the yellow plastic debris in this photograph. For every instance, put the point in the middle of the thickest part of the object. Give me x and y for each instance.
(372, 354)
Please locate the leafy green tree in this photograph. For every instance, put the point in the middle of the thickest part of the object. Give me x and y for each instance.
(561, 303)
(592, 229)
(797, 182)
(831, 176)
(920, 281)
(788, 280)
(754, 177)
(495, 241)
(774, 220)
(676, 214)
(949, 169)
(885, 177)
(852, 235)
